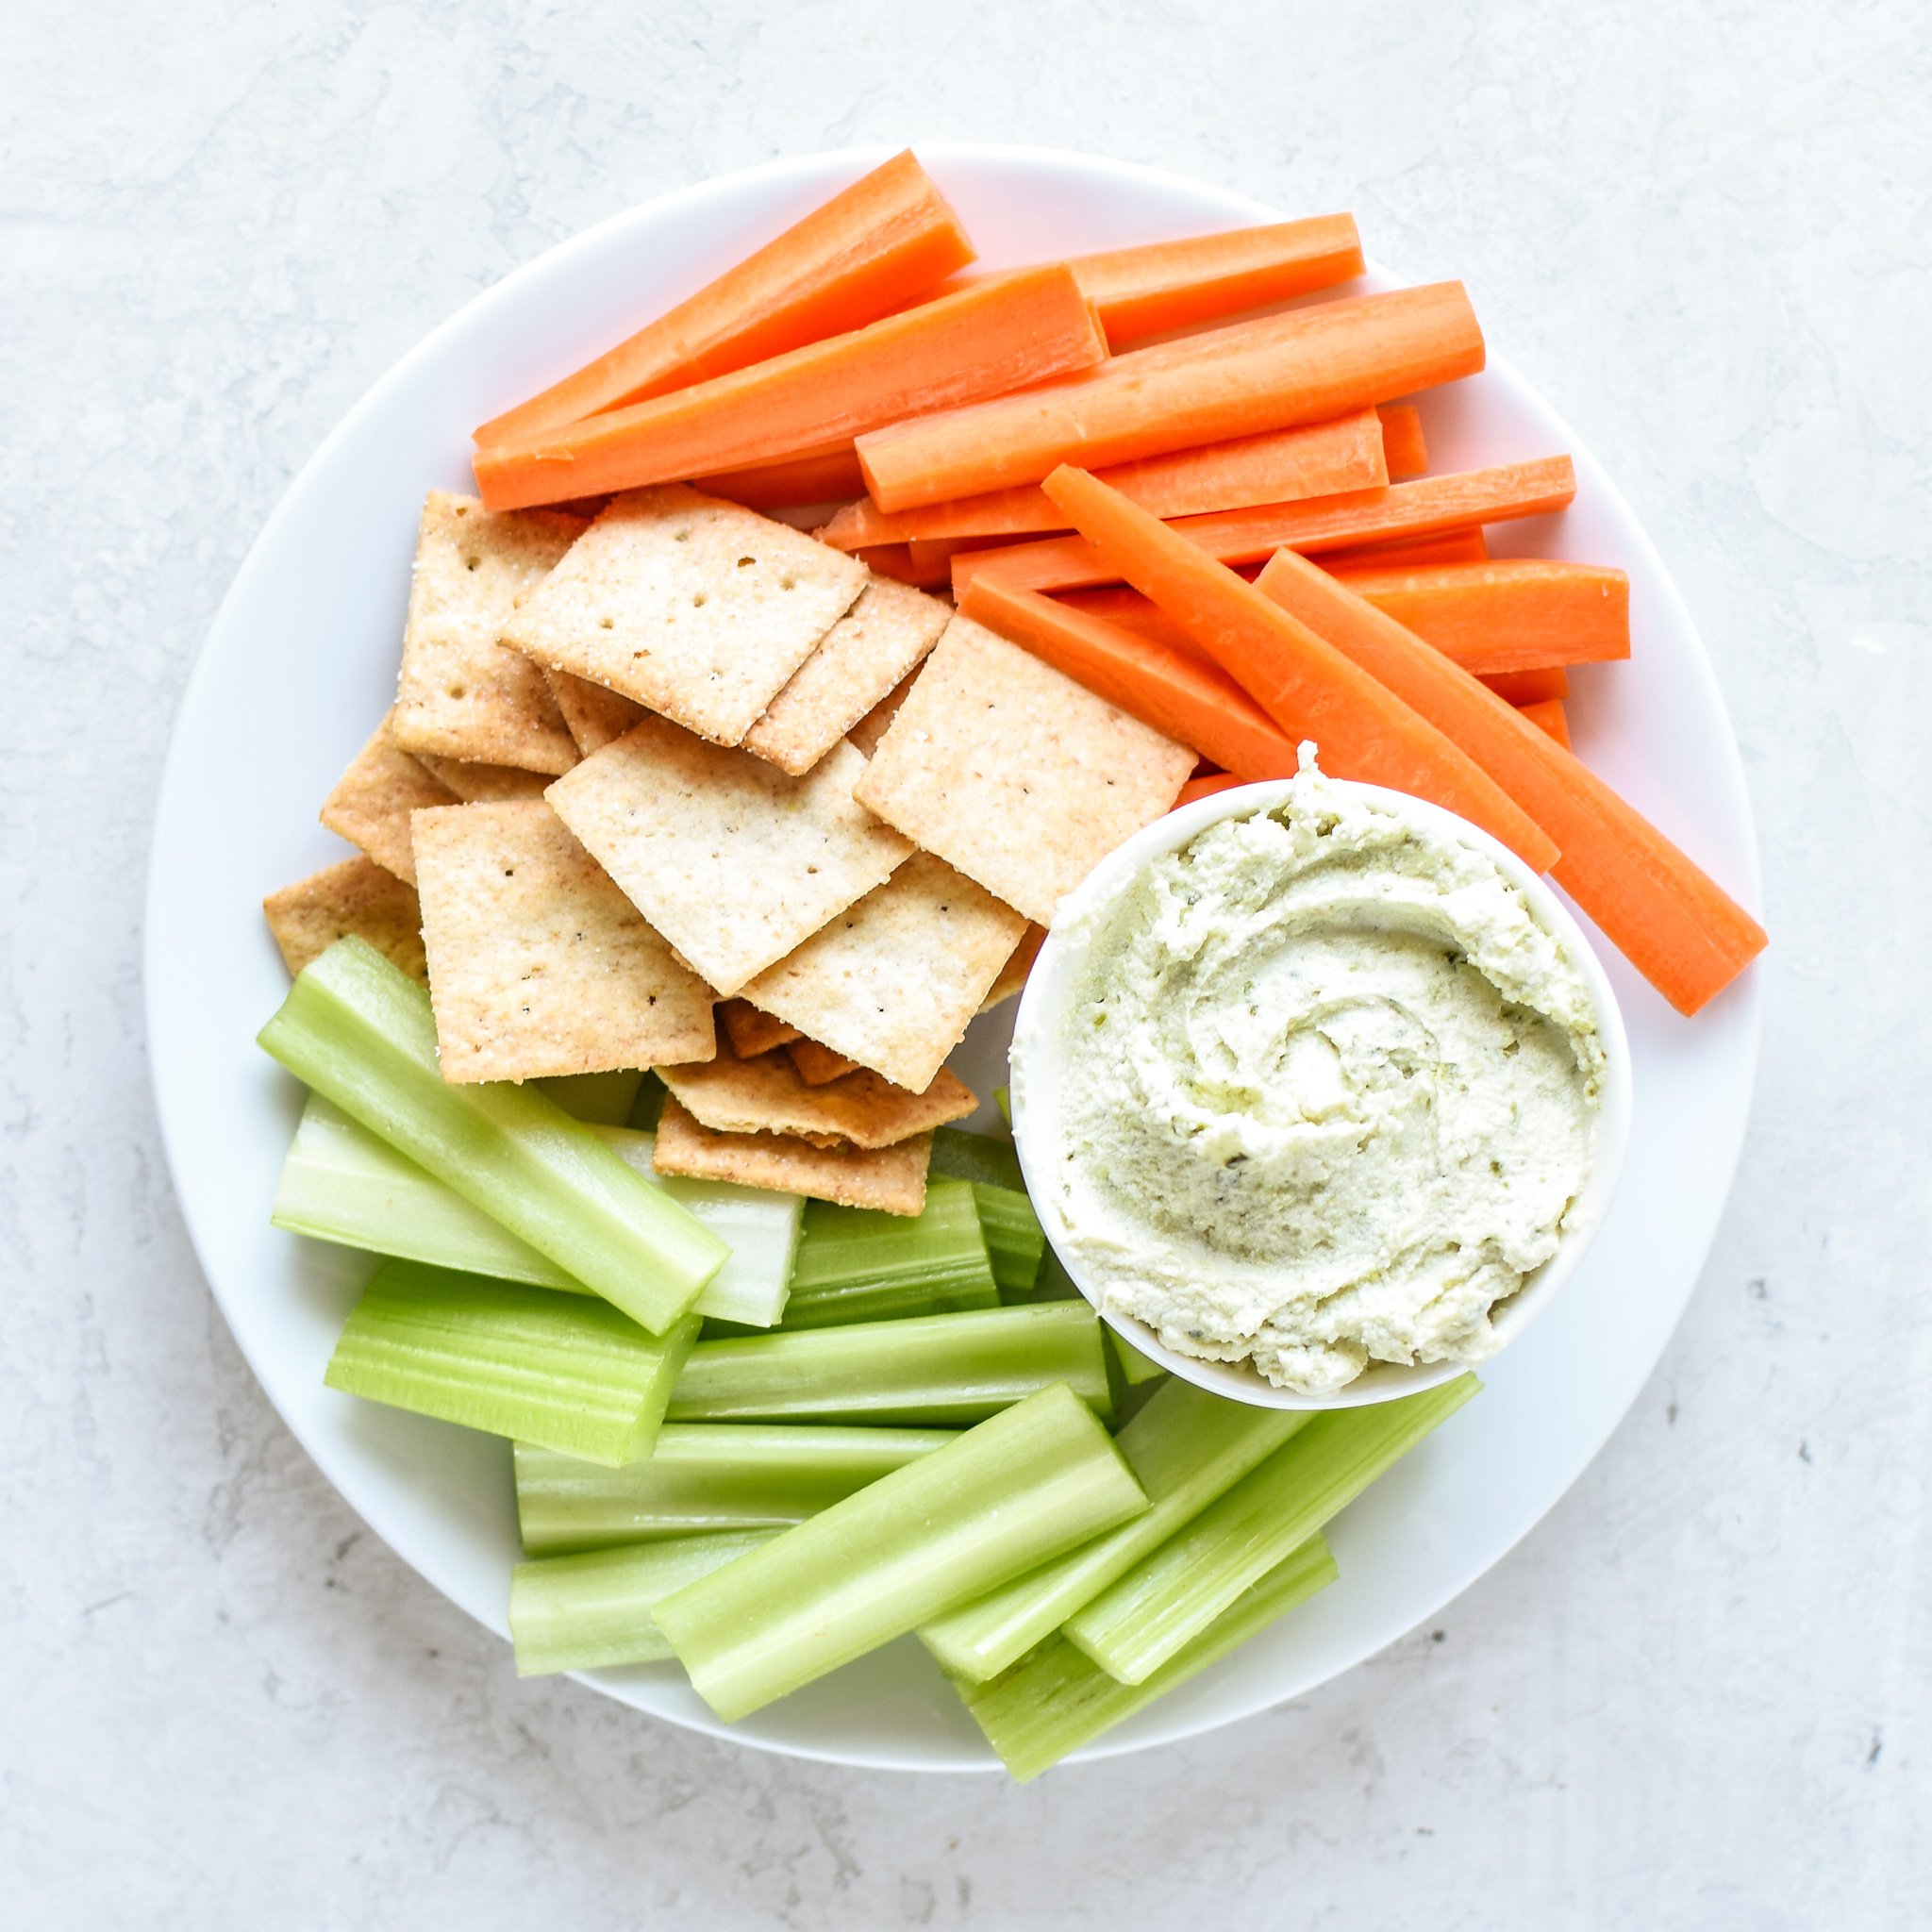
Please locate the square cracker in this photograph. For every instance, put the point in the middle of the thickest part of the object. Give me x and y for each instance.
(893, 981)
(732, 860)
(817, 1065)
(356, 896)
(538, 964)
(768, 1096)
(859, 661)
(693, 606)
(592, 715)
(477, 784)
(1014, 773)
(374, 798)
(1013, 973)
(750, 1031)
(891, 1179)
(462, 695)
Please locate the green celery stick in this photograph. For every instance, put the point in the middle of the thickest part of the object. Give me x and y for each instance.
(962, 1155)
(1134, 1367)
(1053, 1283)
(590, 1611)
(599, 1100)
(1055, 1700)
(649, 1105)
(1186, 1447)
(359, 1030)
(857, 1265)
(1004, 1497)
(934, 1369)
(570, 1372)
(1003, 1099)
(1170, 1597)
(1015, 1241)
(705, 1476)
(341, 1183)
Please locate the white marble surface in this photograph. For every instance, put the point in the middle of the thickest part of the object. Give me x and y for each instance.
(1698, 1694)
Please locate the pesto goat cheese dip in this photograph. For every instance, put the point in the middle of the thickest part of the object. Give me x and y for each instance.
(1330, 1093)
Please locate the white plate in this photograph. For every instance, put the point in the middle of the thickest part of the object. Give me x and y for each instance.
(301, 662)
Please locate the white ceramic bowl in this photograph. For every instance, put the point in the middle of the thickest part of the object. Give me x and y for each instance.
(1045, 1024)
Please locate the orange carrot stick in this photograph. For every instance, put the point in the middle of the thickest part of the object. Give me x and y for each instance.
(1541, 686)
(1549, 715)
(871, 249)
(1205, 787)
(1325, 523)
(1515, 614)
(826, 476)
(1174, 688)
(1304, 366)
(979, 342)
(1677, 927)
(1451, 546)
(1277, 466)
(1310, 689)
(896, 560)
(1124, 607)
(1404, 450)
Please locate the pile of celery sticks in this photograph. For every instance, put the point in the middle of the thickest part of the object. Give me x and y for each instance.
(762, 1436)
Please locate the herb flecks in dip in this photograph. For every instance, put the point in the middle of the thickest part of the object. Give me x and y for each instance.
(1331, 1091)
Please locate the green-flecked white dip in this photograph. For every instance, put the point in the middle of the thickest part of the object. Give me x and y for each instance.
(1329, 1091)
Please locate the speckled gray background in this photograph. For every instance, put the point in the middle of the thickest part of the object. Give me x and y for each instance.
(1698, 1695)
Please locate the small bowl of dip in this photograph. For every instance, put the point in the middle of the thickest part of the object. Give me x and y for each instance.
(1319, 1091)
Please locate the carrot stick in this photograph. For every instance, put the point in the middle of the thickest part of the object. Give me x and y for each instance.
(1676, 926)
(1404, 450)
(826, 476)
(1515, 614)
(1205, 787)
(1013, 332)
(896, 560)
(1277, 466)
(1304, 366)
(1310, 689)
(871, 249)
(1246, 535)
(1538, 687)
(1124, 607)
(1451, 546)
(1174, 688)
(1549, 715)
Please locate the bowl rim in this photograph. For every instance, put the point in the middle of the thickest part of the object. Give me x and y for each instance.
(1038, 1029)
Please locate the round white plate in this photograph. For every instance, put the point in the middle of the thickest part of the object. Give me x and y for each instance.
(302, 662)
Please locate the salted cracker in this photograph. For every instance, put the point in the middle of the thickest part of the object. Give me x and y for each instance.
(477, 784)
(751, 1032)
(371, 802)
(462, 695)
(768, 1096)
(538, 964)
(1013, 973)
(817, 1065)
(592, 715)
(876, 645)
(893, 981)
(732, 860)
(693, 606)
(891, 1179)
(355, 897)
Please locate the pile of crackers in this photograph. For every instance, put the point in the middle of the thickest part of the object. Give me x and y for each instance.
(680, 787)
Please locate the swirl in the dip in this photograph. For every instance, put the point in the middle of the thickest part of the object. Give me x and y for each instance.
(1330, 1092)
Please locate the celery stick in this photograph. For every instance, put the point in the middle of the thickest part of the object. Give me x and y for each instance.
(1170, 1597)
(649, 1105)
(927, 1369)
(1006, 1495)
(1053, 1283)
(341, 1183)
(1015, 1241)
(359, 1030)
(705, 1476)
(599, 1100)
(962, 1155)
(1134, 1367)
(1055, 1700)
(1186, 1447)
(590, 1611)
(857, 1265)
(570, 1372)
(1003, 1099)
